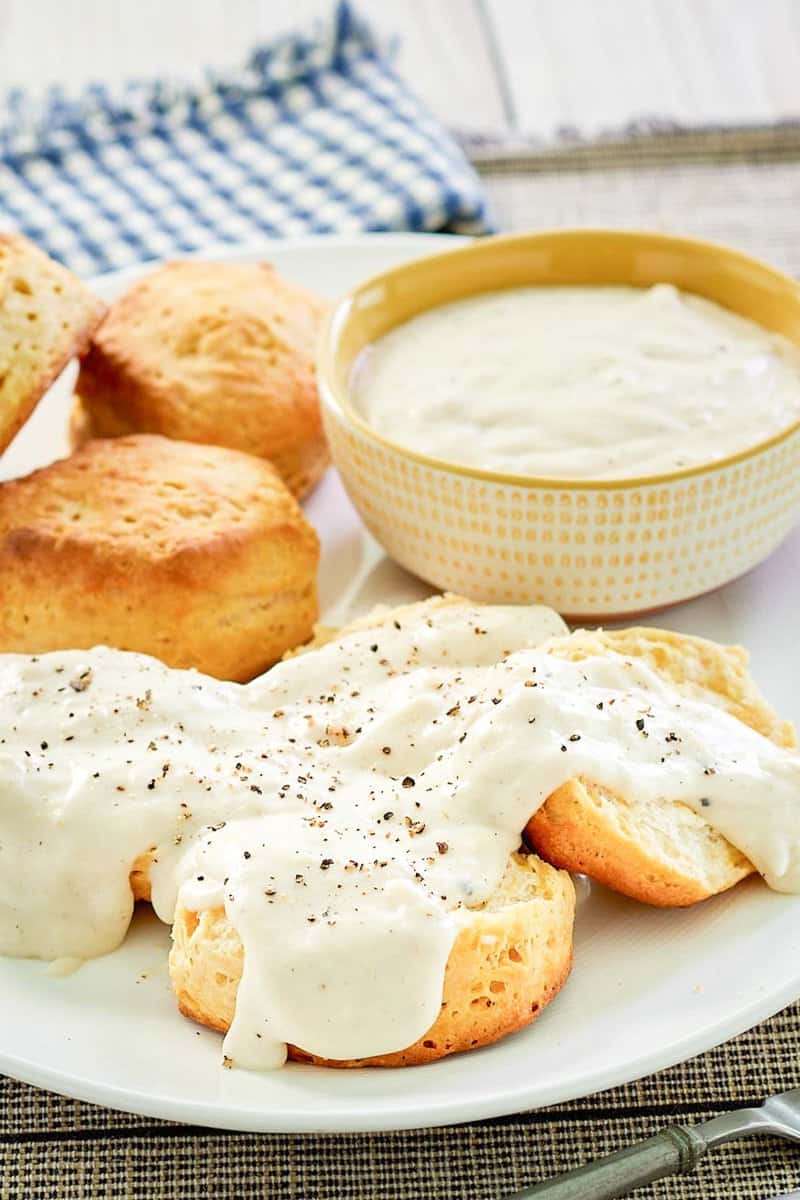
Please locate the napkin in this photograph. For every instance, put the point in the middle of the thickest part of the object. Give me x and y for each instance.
(315, 134)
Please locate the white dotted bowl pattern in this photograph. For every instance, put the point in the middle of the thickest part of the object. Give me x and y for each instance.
(588, 552)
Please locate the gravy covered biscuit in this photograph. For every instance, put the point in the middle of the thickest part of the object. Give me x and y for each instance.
(197, 555)
(46, 318)
(510, 959)
(219, 353)
(665, 853)
(337, 844)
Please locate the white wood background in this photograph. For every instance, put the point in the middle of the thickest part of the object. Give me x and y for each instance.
(506, 70)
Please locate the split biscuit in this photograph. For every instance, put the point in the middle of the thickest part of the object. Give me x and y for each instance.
(662, 854)
(512, 957)
(515, 952)
(46, 318)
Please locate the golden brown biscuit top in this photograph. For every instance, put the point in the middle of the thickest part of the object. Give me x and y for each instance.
(148, 494)
(209, 326)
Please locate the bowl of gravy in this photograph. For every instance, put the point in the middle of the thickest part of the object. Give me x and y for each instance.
(606, 422)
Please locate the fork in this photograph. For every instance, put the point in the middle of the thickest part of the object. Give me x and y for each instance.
(674, 1151)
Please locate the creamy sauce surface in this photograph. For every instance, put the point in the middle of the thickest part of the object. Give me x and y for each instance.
(347, 808)
(579, 382)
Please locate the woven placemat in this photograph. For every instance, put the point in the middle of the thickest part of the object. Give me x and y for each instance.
(64, 1150)
(751, 204)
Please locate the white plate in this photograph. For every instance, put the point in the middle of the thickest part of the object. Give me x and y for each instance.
(649, 988)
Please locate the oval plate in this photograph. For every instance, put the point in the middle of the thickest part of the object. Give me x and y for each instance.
(650, 987)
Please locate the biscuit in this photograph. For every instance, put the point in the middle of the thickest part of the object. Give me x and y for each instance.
(197, 555)
(218, 353)
(46, 318)
(667, 854)
(515, 953)
(506, 965)
(663, 854)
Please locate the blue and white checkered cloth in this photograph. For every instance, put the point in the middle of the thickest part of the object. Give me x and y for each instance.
(316, 135)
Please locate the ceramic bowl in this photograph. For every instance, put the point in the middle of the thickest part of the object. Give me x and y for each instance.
(592, 550)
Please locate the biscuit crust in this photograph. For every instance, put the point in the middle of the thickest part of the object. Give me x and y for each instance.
(217, 353)
(195, 554)
(46, 318)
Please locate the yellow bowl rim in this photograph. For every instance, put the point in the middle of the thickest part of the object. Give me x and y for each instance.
(326, 359)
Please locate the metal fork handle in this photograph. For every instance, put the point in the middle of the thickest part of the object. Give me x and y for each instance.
(674, 1151)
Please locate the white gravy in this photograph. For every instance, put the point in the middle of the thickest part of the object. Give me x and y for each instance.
(579, 382)
(346, 808)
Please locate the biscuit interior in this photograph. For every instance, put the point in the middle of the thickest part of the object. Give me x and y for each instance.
(46, 318)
